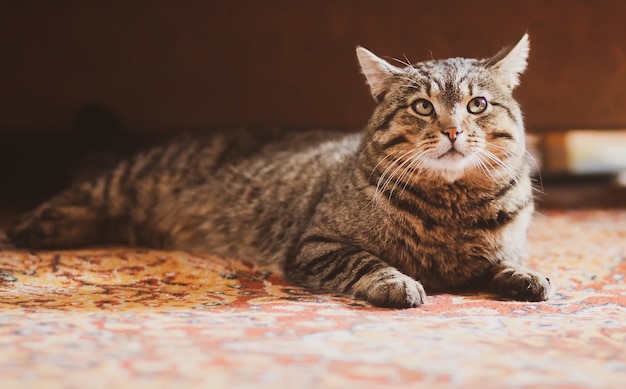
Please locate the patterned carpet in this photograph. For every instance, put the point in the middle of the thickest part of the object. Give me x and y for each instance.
(122, 318)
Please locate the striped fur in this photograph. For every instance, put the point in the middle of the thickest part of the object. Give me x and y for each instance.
(429, 197)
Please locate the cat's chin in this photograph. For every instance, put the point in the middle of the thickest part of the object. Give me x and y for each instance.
(451, 176)
(450, 167)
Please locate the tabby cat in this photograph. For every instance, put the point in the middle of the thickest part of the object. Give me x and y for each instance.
(434, 195)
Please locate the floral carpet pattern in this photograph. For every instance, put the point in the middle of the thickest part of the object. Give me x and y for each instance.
(134, 318)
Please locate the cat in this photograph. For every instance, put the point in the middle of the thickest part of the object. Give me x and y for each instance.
(434, 195)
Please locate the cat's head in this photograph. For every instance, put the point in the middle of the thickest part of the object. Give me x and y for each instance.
(448, 118)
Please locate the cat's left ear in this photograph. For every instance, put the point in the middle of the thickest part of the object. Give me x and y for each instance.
(378, 72)
(510, 63)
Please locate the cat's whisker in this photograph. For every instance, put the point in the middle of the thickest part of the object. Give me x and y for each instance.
(501, 164)
(385, 179)
(538, 190)
(485, 169)
(374, 169)
(532, 158)
(401, 62)
(505, 151)
(415, 161)
(380, 189)
(406, 171)
(383, 159)
(404, 62)
(407, 167)
(480, 164)
(400, 167)
(491, 169)
(418, 162)
(408, 62)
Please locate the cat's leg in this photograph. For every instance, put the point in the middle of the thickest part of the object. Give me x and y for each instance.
(330, 266)
(518, 282)
(75, 217)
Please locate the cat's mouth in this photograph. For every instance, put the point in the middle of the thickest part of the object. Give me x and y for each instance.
(452, 154)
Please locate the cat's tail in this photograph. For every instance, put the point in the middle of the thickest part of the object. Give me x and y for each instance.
(73, 218)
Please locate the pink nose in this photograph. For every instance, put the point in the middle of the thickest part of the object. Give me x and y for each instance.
(452, 133)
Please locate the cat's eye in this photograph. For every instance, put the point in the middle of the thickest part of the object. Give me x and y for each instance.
(477, 105)
(423, 107)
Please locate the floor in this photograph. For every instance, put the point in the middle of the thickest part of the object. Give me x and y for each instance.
(122, 318)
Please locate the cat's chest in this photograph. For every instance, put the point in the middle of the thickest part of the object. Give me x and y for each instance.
(455, 234)
(446, 253)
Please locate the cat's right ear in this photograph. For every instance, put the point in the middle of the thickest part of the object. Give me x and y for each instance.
(510, 63)
(378, 72)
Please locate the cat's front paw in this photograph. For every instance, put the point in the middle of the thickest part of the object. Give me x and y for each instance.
(520, 283)
(389, 288)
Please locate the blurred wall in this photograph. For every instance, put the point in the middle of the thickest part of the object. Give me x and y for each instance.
(164, 65)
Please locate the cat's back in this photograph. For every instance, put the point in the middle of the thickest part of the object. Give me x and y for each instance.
(241, 147)
(258, 186)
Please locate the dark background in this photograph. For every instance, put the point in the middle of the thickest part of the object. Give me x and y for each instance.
(85, 78)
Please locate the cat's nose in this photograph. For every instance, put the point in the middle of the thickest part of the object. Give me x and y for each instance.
(452, 133)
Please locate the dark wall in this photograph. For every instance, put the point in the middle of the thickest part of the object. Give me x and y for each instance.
(162, 65)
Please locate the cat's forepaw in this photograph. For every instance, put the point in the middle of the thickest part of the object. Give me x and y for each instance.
(522, 284)
(389, 288)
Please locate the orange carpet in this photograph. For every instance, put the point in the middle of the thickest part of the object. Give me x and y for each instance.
(129, 318)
